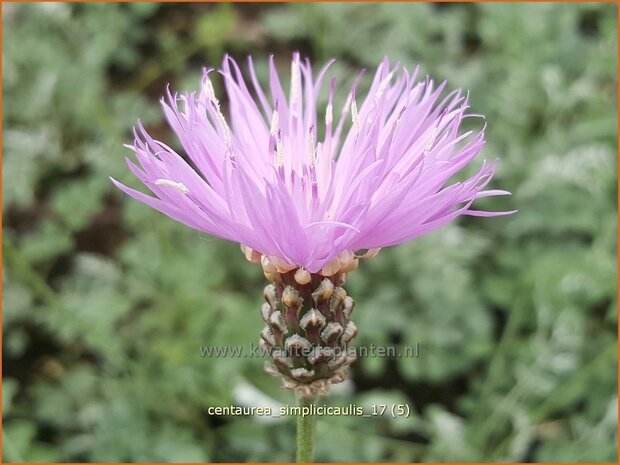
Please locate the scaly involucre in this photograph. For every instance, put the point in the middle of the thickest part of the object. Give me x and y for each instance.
(377, 177)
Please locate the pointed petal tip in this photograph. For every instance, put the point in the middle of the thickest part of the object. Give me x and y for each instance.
(116, 183)
(487, 214)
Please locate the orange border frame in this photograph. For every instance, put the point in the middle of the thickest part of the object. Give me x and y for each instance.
(617, 2)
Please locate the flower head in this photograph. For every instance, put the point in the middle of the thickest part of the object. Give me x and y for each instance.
(301, 191)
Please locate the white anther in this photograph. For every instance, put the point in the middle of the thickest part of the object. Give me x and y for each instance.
(176, 185)
(347, 105)
(384, 84)
(275, 123)
(329, 117)
(311, 149)
(355, 116)
(431, 141)
(279, 154)
(226, 129)
(210, 92)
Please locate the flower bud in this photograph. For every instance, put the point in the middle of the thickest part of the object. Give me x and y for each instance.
(307, 338)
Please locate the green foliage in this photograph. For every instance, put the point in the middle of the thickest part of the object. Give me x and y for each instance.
(106, 302)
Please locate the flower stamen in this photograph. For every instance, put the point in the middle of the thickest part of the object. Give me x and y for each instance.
(311, 148)
(354, 114)
(175, 185)
(275, 122)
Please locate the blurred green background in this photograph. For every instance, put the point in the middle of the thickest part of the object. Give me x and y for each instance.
(106, 302)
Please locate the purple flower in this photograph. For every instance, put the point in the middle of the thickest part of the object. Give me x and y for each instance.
(296, 190)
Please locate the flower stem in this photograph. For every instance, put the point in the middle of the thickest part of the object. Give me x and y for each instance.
(305, 431)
